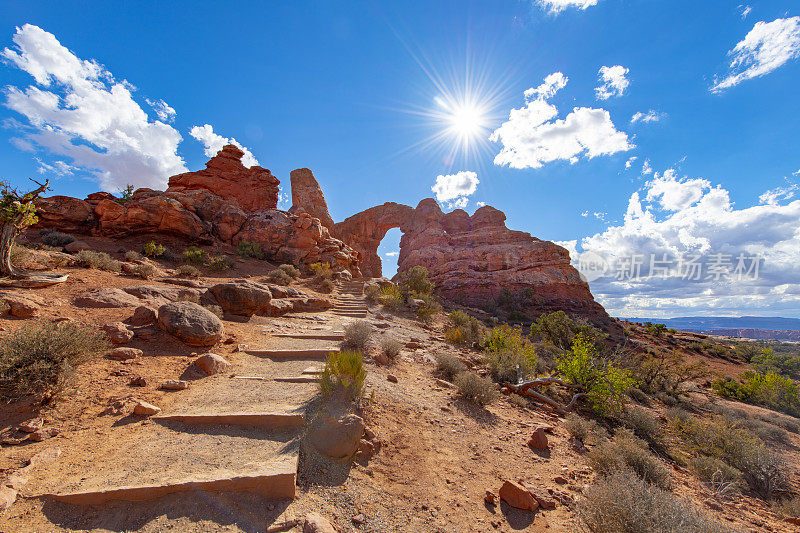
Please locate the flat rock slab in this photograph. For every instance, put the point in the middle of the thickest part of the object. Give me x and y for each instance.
(263, 420)
(299, 353)
(298, 379)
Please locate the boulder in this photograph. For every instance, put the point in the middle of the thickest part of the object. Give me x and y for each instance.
(278, 307)
(76, 246)
(118, 333)
(65, 214)
(124, 354)
(337, 438)
(174, 384)
(310, 304)
(538, 440)
(190, 322)
(145, 409)
(162, 294)
(315, 523)
(212, 363)
(21, 307)
(142, 316)
(518, 496)
(242, 297)
(106, 298)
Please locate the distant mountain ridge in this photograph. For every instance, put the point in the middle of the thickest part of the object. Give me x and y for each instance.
(704, 323)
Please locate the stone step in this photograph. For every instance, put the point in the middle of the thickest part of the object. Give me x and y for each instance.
(298, 379)
(334, 336)
(273, 481)
(262, 420)
(315, 353)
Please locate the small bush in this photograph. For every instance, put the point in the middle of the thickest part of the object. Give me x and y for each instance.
(712, 469)
(391, 297)
(153, 249)
(466, 329)
(144, 271)
(344, 373)
(415, 283)
(559, 329)
(250, 249)
(791, 507)
(39, 357)
(579, 427)
(372, 293)
(666, 372)
(770, 390)
(509, 355)
(643, 424)
(627, 451)
(188, 271)
(391, 348)
(449, 366)
(291, 270)
(321, 271)
(783, 363)
(132, 256)
(20, 255)
(220, 263)
(622, 502)
(475, 389)
(358, 336)
(606, 384)
(97, 260)
(326, 286)
(215, 309)
(55, 238)
(126, 194)
(279, 277)
(193, 255)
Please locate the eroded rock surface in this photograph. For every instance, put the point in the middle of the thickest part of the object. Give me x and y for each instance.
(307, 195)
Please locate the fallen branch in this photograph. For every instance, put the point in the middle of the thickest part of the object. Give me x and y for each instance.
(524, 389)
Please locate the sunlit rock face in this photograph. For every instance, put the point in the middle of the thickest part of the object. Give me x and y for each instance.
(474, 259)
(307, 196)
(226, 202)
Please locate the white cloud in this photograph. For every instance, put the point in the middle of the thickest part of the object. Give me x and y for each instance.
(646, 168)
(744, 11)
(58, 168)
(82, 113)
(585, 214)
(778, 194)
(533, 136)
(391, 254)
(557, 6)
(453, 190)
(765, 48)
(599, 215)
(673, 218)
(650, 116)
(630, 161)
(164, 112)
(613, 81)
(213, 143)
(480, 204)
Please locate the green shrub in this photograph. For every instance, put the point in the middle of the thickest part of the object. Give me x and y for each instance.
(579, 427)
(391, 297)
(622, 502)
(358, 336)
(781, 363)
(220, 263)
(475, 389)
(132, 256)
(559, 329)
(250, 249)
(713, 469)
(126, 194)
(666, 372)
(194, 255)
(427, 310)
(391, 348)
(655, 329)
(39, 357)
(152, 249)
(465, 329)
(97, 260)
(508, 354)
(344, 373)
(54, 238)
(627, 451)
(372, 293)
(291, 270)
(606, 384)
(449, 366)
(279, 277)
(321, 271)
(188, 271)
(770, 390)
(415, 282)
(644, 425)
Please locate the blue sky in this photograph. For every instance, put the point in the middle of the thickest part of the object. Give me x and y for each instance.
(354, 91)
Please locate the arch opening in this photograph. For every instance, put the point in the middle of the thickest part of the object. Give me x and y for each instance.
(388, 252)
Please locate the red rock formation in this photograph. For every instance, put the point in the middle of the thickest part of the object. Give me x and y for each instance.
(307, 195)
(252, 188)
(365, 230)
(474, 260)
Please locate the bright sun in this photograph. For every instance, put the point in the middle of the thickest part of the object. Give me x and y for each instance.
(466, 121)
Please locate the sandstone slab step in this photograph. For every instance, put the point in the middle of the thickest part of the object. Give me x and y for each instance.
(277, 481)
(333, 336)
(298, 379)
(262, 420)
(307, 353)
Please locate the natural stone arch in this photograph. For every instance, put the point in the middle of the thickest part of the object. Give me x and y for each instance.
(364, 232)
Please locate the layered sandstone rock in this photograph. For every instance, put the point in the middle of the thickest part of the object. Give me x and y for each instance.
(253, 188)
(475, 261)
(307, 196)
(225, 202)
